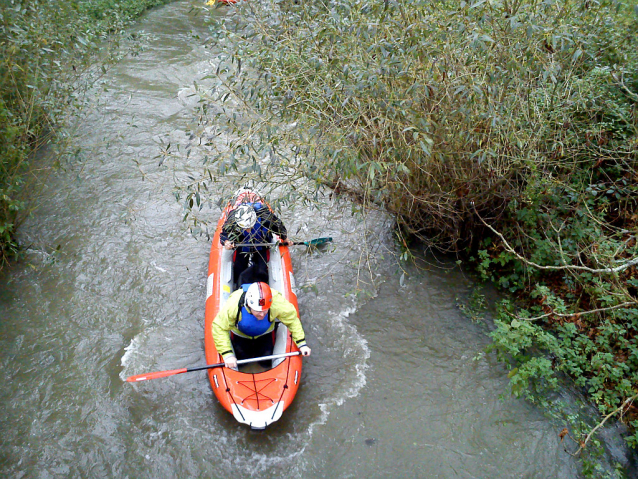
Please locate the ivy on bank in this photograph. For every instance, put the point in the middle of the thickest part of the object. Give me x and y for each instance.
(44, 47)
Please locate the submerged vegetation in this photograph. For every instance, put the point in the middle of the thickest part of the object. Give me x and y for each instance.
(44, 48)
(504, 131)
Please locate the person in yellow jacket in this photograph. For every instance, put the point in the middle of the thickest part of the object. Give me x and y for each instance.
(248, 319)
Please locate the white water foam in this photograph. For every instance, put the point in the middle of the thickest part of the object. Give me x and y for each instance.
(153, 264)
(356, 352)
(130, 352)
(139, 352)
(346, 330)
(256, 464)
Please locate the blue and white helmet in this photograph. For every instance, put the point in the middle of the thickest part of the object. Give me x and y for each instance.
(245, 216)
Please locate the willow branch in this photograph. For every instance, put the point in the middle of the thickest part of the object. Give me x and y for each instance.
(621, 82)
(509, 248)
(566, 315)
(583, 444)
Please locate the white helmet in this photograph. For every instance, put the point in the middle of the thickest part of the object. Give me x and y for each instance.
(259, 297)
(245, 216)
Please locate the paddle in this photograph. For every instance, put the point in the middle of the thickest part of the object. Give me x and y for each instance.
(172, 372)
(312, 242)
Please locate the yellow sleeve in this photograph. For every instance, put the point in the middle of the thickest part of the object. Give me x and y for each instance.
(224, 322)
(285, 311)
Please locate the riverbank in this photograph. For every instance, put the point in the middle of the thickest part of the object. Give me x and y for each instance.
(44, 48)
(504, 133)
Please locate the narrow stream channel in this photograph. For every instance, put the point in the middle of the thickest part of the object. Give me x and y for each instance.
(391, 389)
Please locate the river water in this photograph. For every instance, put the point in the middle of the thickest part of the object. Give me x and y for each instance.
(114, 285)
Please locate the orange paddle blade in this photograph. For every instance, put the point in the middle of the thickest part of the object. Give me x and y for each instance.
(159, 374)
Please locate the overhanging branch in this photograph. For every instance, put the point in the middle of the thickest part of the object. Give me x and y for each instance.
(509, 248)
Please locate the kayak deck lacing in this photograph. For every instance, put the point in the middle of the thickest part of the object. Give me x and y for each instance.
(230, 395)
(256, 387)
(283, 390)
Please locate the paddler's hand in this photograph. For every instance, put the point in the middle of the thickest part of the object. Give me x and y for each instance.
(229, 244)
(230, 362)
(285, 242)
(305, 350)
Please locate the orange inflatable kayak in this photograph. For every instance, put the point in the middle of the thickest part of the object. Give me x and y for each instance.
(253, 395)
